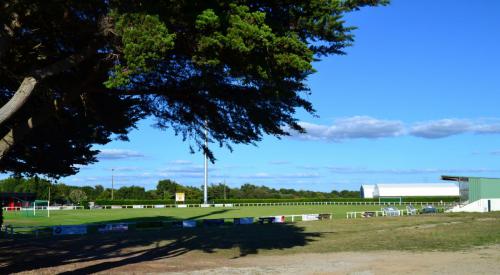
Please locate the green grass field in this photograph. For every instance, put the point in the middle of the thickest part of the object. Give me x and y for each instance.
(173, 246)
(67, 217)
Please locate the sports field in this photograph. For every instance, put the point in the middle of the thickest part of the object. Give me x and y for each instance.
(67, 217)
(425, 244)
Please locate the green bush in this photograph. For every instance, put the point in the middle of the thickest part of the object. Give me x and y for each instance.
(141, 202)
(291, 200)
(154, 202)
(404, 199)
(85, 204)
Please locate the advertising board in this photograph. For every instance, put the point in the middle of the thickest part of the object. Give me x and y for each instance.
(69, 230)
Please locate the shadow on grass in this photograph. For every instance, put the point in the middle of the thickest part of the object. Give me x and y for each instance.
(122, 249)
(164, 218)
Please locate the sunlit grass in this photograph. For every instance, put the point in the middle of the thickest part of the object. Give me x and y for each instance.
(66, 217)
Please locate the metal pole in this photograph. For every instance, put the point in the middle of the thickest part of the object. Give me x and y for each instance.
(112, 183)
(48, 204)
(205, 190)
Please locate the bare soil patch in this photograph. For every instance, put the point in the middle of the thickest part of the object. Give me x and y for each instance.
(446, 244)
(485, 260)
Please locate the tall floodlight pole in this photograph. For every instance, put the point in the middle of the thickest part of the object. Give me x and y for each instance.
(224, 189)
(112, 182)
(48, 204)
(205, 189)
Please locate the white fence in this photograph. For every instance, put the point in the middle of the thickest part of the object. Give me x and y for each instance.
(140, 206)
(136, 206)
(382, 213)
(63, 207)
(273, 204)
(340, 203)
(307, 217)
(36, 231)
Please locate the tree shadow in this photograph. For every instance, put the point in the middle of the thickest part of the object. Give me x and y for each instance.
(146, 245)
(165, 218)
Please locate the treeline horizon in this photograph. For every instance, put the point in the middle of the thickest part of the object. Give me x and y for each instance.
(165, 190)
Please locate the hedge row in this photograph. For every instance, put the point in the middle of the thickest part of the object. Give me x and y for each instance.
(290, 200)
(155, 202)
(141, 202)
(404, 199)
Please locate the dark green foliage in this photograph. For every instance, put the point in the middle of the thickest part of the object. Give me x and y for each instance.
(142, 202)
(166, 189)
(145, 41)
(255, 200)
(70, 111)
(198, 201)
(77, 196)
(236, 67)
(409, 199)
(250, 191)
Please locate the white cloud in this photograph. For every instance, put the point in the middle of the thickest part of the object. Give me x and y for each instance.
(363, 170)
(441, 128)
(184, 169)
(115, 154)
(366, 127)
(279, 162)
(279, 176)
(309, 167)
(124, 168)
(181, 162)
(351, 128)
(487, 126)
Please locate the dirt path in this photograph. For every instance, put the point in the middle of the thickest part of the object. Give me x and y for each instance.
(474, 261)
(477, 261)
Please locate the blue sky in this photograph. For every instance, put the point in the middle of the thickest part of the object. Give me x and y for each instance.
(414, 98)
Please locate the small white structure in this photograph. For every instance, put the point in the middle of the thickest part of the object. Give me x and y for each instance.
(409, 190)
(482, 205)
(367, 190)
(416, 190)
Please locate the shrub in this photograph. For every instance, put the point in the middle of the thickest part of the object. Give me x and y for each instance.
(154, 202)
(404, 199)
(141, 202)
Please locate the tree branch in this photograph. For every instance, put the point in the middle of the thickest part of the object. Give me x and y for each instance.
(26, 88)
(17, 101)
(40, 116)
(5, 34)
(10, 138)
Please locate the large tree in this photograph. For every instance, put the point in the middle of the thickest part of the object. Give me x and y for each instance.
(78, 73)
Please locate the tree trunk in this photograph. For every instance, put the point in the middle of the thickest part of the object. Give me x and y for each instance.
(22, 95)
(16, 133)
(18, 100)
(27, 86)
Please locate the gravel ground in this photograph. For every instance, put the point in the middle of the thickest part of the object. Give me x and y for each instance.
(485, 260)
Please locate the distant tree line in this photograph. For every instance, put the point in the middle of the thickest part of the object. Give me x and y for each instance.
(165, 190)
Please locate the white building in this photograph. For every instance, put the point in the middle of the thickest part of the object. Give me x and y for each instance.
(367, 191)
(411, 190)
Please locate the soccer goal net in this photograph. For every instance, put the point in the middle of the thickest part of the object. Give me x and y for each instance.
(37, 208)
